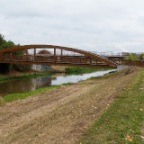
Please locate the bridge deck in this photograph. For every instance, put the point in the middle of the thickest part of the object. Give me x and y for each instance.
(21, 55)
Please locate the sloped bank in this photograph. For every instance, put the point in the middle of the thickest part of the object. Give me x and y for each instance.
(123, 121)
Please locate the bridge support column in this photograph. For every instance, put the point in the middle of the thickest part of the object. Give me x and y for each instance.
(26, 54)
(61, 54)
(11, 56)
(54, 55)
(34, 54)
(90, 61)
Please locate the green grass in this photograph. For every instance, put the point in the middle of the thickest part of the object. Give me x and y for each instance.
(19, 96)
(122, 122)
(81, 70)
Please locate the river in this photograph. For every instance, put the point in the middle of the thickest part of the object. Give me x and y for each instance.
(16, 86)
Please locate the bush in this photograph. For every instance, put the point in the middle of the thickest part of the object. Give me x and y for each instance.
(141, 56)
(80, 70)
(132, 57)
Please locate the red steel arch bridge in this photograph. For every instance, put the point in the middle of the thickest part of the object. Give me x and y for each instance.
(57, 55)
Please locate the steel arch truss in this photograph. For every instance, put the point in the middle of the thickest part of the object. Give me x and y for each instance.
(56, 55)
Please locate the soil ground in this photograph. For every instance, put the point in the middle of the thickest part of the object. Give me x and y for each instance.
(61, 116)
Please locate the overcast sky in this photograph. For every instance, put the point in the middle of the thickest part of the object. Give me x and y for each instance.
(94, 25)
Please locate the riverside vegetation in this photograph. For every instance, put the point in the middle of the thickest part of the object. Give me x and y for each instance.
(68, 70)
(81, 70)
(20, 96)
(22, 76)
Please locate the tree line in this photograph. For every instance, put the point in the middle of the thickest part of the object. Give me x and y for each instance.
(6, 68)
(135, 57)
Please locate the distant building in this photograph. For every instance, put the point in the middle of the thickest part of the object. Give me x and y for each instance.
(42, 67)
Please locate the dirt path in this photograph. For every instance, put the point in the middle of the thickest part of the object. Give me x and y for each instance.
(62, 115)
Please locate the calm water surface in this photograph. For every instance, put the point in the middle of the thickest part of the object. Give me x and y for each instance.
(45, 81)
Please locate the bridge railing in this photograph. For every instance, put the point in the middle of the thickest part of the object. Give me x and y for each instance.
(106, 54)
(78, 60)
(133, 63)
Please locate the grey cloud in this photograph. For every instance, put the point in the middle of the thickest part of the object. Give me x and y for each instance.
(93, 24)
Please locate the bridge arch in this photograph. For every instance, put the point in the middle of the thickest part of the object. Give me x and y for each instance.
(28, 54)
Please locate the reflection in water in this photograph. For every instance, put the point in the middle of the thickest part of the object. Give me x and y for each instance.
(17, 86)
(44, 81)
(76, 78)
(24, 85)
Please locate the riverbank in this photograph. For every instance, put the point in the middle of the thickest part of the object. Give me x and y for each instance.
(33, 74)
(16, 75)
(123, 122)
(20, 76)
(63, 115)
(81, 70)
(19, 96)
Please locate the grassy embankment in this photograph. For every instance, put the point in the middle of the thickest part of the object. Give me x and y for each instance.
(19, 96)
(81, 70)
(123, 122)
